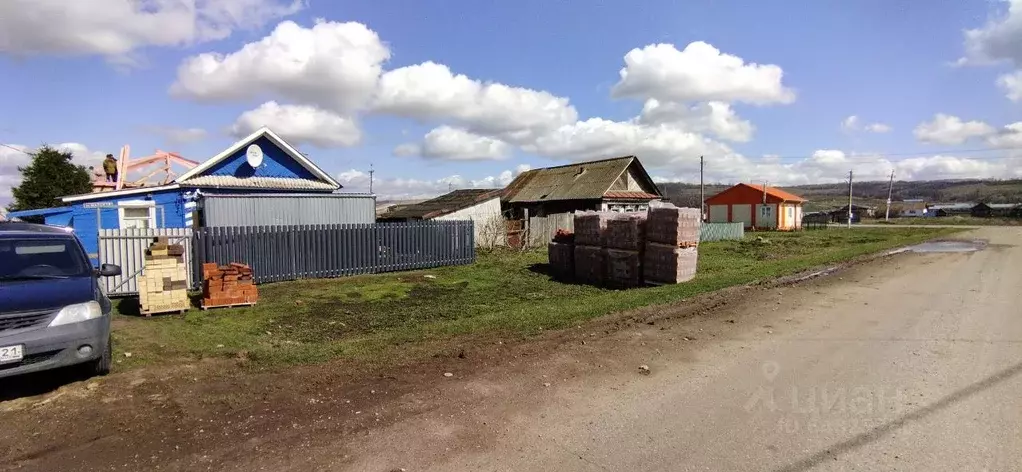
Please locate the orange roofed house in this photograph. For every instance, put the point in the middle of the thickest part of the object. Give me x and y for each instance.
(756, 206)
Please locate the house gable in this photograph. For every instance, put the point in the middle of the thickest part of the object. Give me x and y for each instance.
(276, 163)
(635, 179)
(282, 167)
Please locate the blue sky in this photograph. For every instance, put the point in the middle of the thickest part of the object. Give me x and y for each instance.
(100, 74)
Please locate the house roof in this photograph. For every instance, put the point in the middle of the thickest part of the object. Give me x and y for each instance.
(1004, 206)
(911, 205)
(230, 181)
(187, 177)
(442, 205)
(953, 206)
(590, 180)
(773, 192)
(777, 193)
(194, 177)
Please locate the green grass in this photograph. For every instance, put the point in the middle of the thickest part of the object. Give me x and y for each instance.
(378, 317)
(950, 220)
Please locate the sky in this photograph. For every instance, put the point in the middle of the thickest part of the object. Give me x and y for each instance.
(435, 94)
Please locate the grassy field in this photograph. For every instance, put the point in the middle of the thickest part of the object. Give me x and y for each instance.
(949, 220)
(383, 316)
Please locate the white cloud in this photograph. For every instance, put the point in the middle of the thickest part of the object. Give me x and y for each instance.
(700, 72)
(850, 124)
(1008, 137)
(396, 188)
(657, 145)
(947, 129)
(1000, 39)
(1012, 85)
(300, 124)
(178, 136)
(430, 92)
(456, 144)
(117, 28)
(853, 124)
(717, 118)
(877, 128)
(331, 65)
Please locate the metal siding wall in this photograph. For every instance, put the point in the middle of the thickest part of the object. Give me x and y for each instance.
(126, 248)
(281, 253)
(299, 210)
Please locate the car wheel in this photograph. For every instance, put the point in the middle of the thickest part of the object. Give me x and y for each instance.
(101, 366)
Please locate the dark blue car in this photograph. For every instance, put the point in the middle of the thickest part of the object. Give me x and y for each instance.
(52, 311)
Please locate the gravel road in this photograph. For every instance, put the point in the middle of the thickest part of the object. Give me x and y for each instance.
(911, 363)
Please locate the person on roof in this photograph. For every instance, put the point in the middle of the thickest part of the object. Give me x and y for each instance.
(110, 168)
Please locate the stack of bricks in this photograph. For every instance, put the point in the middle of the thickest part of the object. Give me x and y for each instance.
(672, 244)
(590, 258)
(624, 240)
(228, 285)
(561, 254)
(163, 286)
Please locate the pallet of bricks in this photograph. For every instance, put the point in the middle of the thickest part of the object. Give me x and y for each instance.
(163, 285)
(561, 254)
(589, 256)
(228, 285)
(672, 244)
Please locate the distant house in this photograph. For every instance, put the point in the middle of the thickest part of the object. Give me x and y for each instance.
(950, 209)
(911, 208)
(1001, 210)
(756, 206)
(482, 206)
(840, 215)
(259, 180)
(618, 184)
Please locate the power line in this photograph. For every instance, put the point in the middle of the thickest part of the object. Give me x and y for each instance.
(16, 149)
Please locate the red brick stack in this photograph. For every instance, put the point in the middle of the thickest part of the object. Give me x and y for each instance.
(228, 285)
(672, 247)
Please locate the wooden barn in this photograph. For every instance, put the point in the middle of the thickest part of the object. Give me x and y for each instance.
(757, 207)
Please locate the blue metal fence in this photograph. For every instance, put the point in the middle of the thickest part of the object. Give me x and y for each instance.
(279, 253)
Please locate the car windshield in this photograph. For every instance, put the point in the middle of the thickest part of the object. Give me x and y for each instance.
(33, 258)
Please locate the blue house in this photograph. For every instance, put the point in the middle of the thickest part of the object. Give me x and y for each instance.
(259, 167)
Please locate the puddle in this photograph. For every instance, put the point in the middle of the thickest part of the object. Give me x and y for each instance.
(947, 246)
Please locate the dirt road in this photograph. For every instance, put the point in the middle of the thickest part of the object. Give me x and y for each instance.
(911, 362)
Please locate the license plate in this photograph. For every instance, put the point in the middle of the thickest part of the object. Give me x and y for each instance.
(11, 353)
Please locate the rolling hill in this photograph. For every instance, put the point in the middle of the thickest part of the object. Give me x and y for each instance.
(827, 196)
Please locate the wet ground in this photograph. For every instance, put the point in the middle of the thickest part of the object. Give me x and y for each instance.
(949, 246)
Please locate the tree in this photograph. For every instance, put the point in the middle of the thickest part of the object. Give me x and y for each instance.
(49, 176)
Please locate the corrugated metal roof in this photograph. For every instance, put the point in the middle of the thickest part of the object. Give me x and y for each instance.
(442, 205)
(630, 195)
(776, 192)
(1004, 206)
(579, 181)
(283, 183)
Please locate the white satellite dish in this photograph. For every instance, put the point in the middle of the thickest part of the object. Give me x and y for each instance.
(254, 155)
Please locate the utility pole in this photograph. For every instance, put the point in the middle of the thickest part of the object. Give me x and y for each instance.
(849, 199)
(890, 191)
(371, 172)
(702, 194)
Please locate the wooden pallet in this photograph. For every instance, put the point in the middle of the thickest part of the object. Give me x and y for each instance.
(229, 305)
(179, 310)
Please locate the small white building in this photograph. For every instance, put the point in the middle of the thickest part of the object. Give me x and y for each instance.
(481, 206)
(912, 208)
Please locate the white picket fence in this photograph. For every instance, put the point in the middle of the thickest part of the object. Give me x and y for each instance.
(126, 248)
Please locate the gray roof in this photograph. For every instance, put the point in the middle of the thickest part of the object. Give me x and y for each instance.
(283, 183)
(579, 181)
(442, 205)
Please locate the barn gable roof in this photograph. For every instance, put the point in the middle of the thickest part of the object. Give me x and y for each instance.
(590, 180)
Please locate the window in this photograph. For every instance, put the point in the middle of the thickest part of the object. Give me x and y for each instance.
(764, 211)
(33, 258)
(137, 214)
